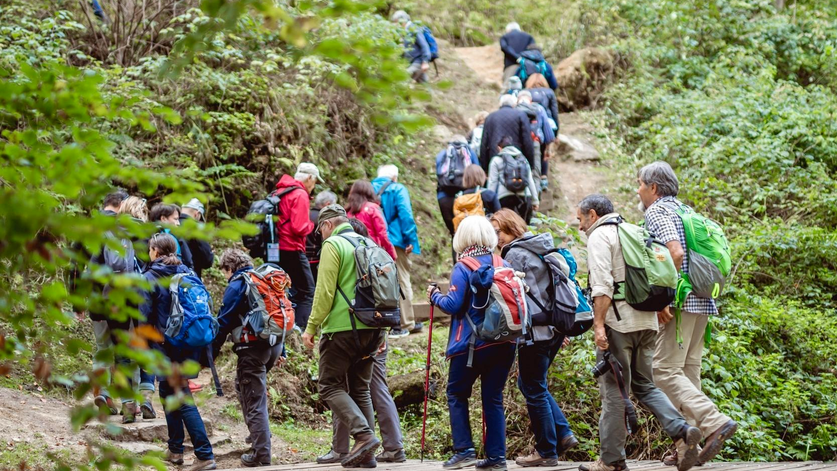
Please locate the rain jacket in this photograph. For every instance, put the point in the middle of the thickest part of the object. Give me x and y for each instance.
(372, 217)
(293, 225)
(511, 122)
(398, 212)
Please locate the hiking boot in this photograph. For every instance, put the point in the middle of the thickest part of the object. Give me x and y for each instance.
(201, 465)
(600, 465)
(146, 407)
(398, 333)
(715, 442)
(544, 184)
(689, 456)
(331, 457)
(364, 444)
(397, 456)
(174, 458)
(417, 328)
(368, 462)
(567, 443)
(461, 459)
(535, 459)
(492, 464)
(105, 404)
(670, 458)
(251, 461)
(129, 412)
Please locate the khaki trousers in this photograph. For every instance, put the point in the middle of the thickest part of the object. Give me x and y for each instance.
(405, 266)
(677, 372)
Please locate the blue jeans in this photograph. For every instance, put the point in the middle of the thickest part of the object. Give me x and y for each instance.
(548, 421)
(491, 365)
(185, 415)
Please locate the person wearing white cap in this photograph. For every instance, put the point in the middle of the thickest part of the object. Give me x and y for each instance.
(292, 228)
(202, 256)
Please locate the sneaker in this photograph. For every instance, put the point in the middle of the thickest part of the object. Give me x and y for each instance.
(535, 459)
(105, 404)
(174, 458)
(544, 184)
(364, 444)
(397, 456)
(146, 407)
(492, 464)
(461, 459)
(715, 442)
(567, 443)
(250, 460)
(200, 465)
(689, 446)
(600, 465)
(193, 386)
(398, 333)
(417, 328)
(129, 412)
(670, 458)
(331, 457)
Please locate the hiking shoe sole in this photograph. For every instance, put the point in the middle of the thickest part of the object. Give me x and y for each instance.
(461, 464)
(352, 460)
(148, 412)
(690, 458)
(539, 463)
(712, 449)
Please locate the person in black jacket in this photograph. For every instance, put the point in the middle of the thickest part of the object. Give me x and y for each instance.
(513, 43)
(314, 241)
(506, 122)
(169, 215)
(201, 251)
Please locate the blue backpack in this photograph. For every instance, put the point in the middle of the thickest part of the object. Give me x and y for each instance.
(191, 323)
(431, 43)
(583, 312)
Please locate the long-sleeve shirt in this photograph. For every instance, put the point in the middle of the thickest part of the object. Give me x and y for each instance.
(416, 48)
(233, 308)
(512, 44)
(495, 181)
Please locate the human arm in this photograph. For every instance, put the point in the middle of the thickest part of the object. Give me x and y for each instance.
(296, 213)
(485, 152)
(404, 210)
(507, 48)
(186, 254)
(550, 77)
(553, 106)
(423, 47)
(534, 189)
(662, 223)
(548, 134)
(229, 317)
(454, 303)
(527, 146)
(202, 255)
(379, 228)
(494, 175)
(600, 264)
(326, 289)
(490, 201)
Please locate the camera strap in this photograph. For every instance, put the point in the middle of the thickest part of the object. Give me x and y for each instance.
(631, 424)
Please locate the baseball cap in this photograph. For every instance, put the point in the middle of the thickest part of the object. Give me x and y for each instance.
(310, 169)
(330, 212)
(195, 204)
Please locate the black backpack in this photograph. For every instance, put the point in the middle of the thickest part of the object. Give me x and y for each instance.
(263, 214)
(563, 299)
(449, 173)
(515, 172)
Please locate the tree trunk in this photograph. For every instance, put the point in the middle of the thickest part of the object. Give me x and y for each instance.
(780, 5)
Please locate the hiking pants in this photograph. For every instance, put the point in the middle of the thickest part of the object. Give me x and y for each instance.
(519, 204)
(345, 377)
(101, 332)
(416, 73)
(405, 266)
(185, 415)
(677, 372)
(549, 424)
(491, 365)
(635, 352)
(446, 208)
(295, 263)
(251, 389)
(384, 407)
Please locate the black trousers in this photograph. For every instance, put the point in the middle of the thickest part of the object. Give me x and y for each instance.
(519, 204)
(295, 264)
(251, 387)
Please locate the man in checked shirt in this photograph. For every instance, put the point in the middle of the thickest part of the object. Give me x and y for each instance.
(676, 367)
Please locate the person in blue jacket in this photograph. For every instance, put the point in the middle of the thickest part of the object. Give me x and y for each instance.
(403, 233)
(491, 362)
(416, 48)
(155, 308)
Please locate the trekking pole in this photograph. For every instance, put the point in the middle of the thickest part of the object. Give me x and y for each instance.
(427, 380)
(218, 390)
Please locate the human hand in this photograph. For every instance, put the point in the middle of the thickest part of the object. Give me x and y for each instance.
(600, 337)
(520, 60)
(308, 341)
(566, 342)
(535, 207)
(430, 290)
(664, 316)
(281, 361)
(408, 249)
(425, 66)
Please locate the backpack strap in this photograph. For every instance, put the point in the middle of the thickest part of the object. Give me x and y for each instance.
(383, 188)
(174, 289)
(471, 263)
(497, 261)
(349, 303)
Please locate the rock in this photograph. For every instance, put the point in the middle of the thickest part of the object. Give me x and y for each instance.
(408, 388)
(576, 147)
(139, 431)
(140, 448)
(582, 77)
(442, 132)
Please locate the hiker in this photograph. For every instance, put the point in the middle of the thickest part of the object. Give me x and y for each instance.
(629, 341)
(510, 178)
(475, 199)
(489, 362)
(361, 204)
(544, 96)
(403, 234)
(256, 357)
(292, 229)
(676, 364)
(512, 44)
(506, 122)
(451, 163)
(314, 240)
(345, 360)
(201, 251)
(416, 49)
(475, 135)
(524, 251)
(513, 85)
(542, 134)
(532, 62)
(382, 403)
(169, 215)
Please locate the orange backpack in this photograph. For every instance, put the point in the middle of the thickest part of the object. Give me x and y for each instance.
(467, 205)
(271, 314)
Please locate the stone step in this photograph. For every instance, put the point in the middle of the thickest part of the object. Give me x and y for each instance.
(422, 312)
(139, 431)
(140, 448)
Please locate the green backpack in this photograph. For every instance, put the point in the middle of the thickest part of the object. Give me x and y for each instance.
(650, 274)
(709, 256)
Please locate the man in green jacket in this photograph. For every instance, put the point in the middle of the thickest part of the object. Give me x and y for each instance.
(345, 356)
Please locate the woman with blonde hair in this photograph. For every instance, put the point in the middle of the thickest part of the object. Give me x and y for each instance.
(134, 207)
(544, 96)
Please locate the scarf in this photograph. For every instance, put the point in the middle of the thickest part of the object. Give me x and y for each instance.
(474, 251)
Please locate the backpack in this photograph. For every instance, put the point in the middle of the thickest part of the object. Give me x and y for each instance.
(120, 263)
(431, 43)
(191, 323)
(467, 205)
(516, 172)
(563, 298)
(476, 139)
(450, 171)
(584, 309)
(262, 213)
(530, 67)
(271, 314)
(709, 256)
(506, 312)
(650, 275)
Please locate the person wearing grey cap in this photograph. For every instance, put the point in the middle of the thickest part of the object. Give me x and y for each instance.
(202, 256)
(343, 360)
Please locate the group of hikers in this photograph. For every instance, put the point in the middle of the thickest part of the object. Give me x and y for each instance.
(339, 276)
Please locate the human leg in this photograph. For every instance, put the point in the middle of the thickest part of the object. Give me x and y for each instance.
(384, 405)
(533, 364)
(494, 369)
(461, 380)
(251, 376)
(295, 264)
(404, 267)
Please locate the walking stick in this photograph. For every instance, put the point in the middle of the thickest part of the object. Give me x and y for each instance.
(427, 381)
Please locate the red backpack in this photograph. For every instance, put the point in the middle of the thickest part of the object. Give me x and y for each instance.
(271, 314)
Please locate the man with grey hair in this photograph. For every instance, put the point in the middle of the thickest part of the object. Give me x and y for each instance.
(506, 122)
(314, 241)
(541, 129)
(416, 48)
(677, 359)
(513, 43)
(629, 339)
(450, 169)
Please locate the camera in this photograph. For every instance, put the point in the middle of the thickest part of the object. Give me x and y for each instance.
(602, 367)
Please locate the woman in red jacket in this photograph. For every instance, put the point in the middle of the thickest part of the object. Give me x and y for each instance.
(361, 204)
